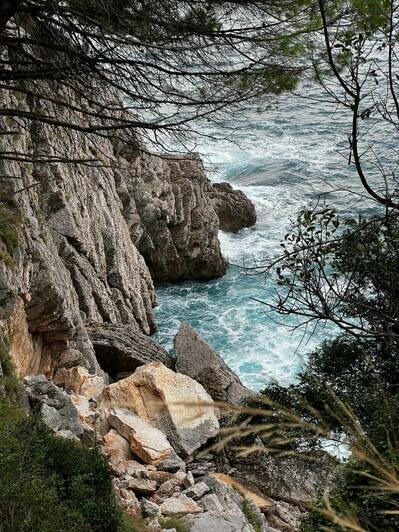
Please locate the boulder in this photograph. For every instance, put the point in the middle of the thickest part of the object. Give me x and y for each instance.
(122, 348)
(55, 406)
(234, 209)
(172, 464)
(123, 394)
(116, 447)
(211, 503)
(142, 486)
(197, 491)
(77, 379)
(234, 503)
(178, 506)
(168, 488)
(146, 441)
(222, 522)
(129, 501)
(195, 358)
(177, 405)
(149, 508)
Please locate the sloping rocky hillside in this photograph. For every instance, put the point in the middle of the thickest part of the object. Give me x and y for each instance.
(82, 243)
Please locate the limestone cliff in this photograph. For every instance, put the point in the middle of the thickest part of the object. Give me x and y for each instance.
(93, 237)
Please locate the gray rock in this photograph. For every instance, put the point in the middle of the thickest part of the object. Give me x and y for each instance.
(220, 522)
(149, 508)
(235, 211)
(188, 480)
(123, 347)
(197, 491)
(293, 478)
(172, 464)
(232, 503)
(195, 358)
(168, 488)
(211, 503)
(55, 406)
(200, 470)
(176, 229)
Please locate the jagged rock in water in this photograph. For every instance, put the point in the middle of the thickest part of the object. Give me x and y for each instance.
(177, 405)
(55, 406)
(194, 357)
(235, 211)
(176, 227)
(122, 348)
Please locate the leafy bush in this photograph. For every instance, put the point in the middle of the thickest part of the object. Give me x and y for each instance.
(49, 483)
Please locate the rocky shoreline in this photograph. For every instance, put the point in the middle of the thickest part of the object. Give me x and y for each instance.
(76, 305)
(150, 425)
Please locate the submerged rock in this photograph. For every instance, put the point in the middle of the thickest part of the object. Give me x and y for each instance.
(194, 357)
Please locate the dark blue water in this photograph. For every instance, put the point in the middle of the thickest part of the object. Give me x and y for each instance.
(283, 158)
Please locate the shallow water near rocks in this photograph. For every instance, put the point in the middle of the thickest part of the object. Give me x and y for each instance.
(283, 158)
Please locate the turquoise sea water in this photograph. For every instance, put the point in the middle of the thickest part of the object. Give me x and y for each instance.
(283, 158)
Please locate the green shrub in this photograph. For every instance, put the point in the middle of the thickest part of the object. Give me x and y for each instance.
(10, 221)
(49, 483)
(9, 383)
(251, 516)
(173, 522)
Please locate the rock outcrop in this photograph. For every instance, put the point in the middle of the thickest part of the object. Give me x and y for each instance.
(93, 235)
(177, 405)
(235, 211)
(54, 405)
(121, 348)
(176, 226)
(194, 357)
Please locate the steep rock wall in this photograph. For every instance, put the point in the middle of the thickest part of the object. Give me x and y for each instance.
(92, 237)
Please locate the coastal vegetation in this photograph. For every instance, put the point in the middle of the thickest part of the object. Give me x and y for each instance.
(121, 77)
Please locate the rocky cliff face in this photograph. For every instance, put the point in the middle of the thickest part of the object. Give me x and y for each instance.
(171, 218)
(93, 237)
